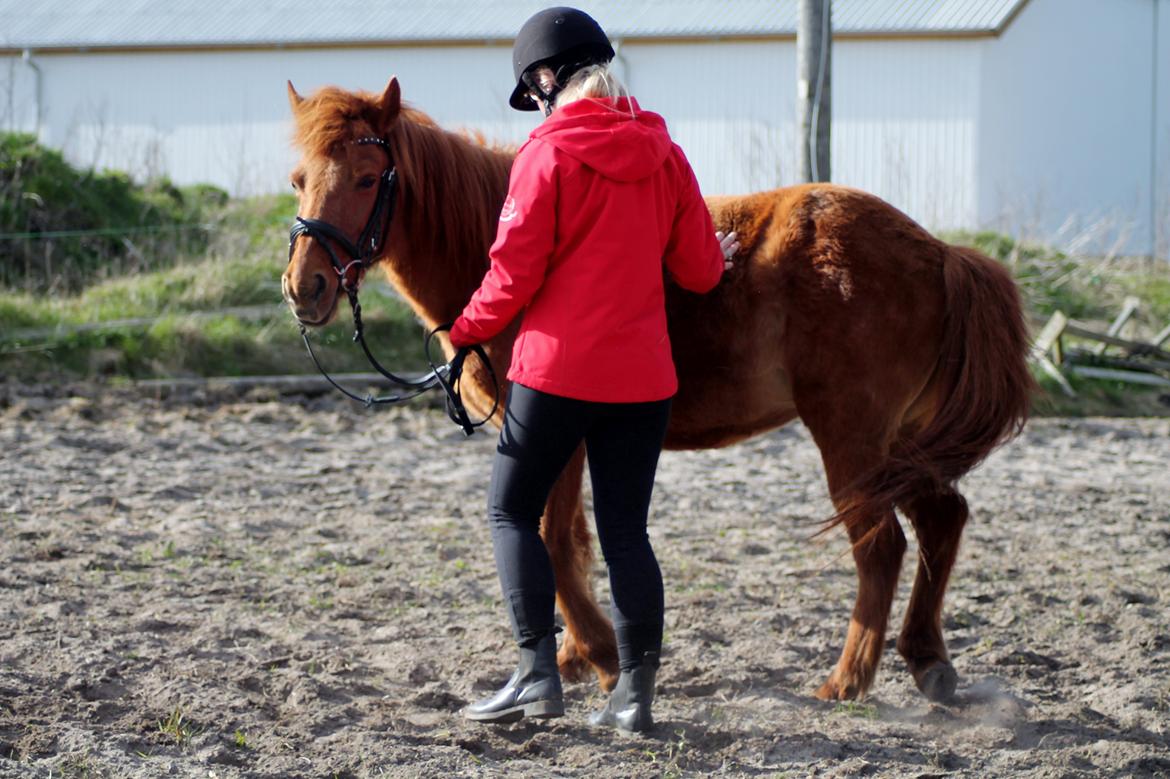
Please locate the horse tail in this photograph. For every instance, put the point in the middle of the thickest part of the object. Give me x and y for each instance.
(981, 390)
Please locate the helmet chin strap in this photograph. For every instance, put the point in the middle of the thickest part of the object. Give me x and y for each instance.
(561, 75)
(548, 97)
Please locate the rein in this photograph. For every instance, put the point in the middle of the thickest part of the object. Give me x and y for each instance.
(362, 257)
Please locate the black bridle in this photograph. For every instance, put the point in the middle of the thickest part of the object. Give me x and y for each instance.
(362, 256)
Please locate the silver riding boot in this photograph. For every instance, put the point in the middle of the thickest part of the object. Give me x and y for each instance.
(629, 704)
(533, 691)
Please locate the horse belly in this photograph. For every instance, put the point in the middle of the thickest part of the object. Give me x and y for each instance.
(722, 408)
(733, 381)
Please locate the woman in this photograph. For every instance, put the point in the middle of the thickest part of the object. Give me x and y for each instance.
(599, 201)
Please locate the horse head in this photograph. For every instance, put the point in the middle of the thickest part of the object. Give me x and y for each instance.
(345, 160)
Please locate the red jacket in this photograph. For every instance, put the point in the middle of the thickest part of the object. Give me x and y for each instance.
(598, 202)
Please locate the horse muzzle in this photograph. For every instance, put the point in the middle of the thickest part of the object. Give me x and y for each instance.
(313, 304)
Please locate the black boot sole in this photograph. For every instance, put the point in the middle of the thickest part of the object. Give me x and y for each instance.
(603, 719)
(536, 709)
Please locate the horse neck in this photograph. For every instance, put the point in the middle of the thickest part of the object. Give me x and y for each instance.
(451, 192)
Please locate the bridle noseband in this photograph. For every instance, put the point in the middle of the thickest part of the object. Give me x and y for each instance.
(362, 256)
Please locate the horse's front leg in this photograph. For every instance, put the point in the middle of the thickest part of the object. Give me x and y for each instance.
(589, 640)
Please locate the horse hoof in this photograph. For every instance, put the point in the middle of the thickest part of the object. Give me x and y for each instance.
(938, 682)
(832, 691)
(827, 692)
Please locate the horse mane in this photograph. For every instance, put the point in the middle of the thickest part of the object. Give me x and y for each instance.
(453, 180)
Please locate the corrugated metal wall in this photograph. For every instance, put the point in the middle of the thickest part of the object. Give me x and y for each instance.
(1031, 132)
(1065, 146)
(903, 112)
(904, 125)
(731, 106)
(223, 117)
(904, 117)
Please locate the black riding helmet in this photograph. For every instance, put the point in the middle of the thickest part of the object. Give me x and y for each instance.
(565, 40)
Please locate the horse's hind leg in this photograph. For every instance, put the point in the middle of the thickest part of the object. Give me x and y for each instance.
(938, 518)
(878, 559)
(589, 639)
(850, 451)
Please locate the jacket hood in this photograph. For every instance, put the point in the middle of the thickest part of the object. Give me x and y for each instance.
(601, 133)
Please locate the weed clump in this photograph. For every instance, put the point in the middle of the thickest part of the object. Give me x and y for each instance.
(61, 226)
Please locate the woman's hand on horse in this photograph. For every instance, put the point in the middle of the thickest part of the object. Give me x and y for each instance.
(728, 245)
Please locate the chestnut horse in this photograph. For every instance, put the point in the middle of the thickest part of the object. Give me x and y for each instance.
(904, 357)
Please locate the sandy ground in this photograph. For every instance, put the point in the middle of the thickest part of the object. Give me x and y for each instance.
(251, 587)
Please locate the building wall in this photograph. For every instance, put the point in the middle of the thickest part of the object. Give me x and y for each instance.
(730, 106)
(17, 95)
(1027, 132)
(904, 116)
(902, 111)
(1065, 150)
(223, 117)
(904, 125)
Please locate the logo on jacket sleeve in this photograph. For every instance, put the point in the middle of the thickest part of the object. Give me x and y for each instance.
(508, 212)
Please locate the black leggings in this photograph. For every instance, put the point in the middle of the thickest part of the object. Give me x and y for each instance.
(622, 442)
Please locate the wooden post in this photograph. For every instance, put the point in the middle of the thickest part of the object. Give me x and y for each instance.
(1048, 338)
(1130, 377)
(1051, 333)
(1162, 337)
(1128, 308)
(1133, 347)
(814, 36)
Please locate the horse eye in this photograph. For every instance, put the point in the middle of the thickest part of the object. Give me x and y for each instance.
(367, 182)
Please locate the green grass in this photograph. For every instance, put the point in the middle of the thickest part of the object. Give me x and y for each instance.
(241, 268)
(178, 728)
(63, 225)
(1097, 398)
(856, 709)
(191, 331)
(1089, 289)
(202, 286)
(178, 344)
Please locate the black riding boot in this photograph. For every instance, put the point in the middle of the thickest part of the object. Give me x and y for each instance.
(533, 691)
(629, 704)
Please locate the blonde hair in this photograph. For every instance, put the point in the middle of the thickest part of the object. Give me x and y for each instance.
(589, 81)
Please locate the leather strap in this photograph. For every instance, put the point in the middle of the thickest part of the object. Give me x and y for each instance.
(362, 256)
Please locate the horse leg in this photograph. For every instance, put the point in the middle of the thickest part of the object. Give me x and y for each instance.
(589, 639)
(849, 453)
(938, 519)
(878, 561)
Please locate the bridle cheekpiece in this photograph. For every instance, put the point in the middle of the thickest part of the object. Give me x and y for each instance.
(362, 256)
(369, 244)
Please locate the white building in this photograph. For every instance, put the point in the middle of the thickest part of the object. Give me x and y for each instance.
(1049, 118)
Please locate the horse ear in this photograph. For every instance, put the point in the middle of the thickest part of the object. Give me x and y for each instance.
(294, 100)
(391, 103)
